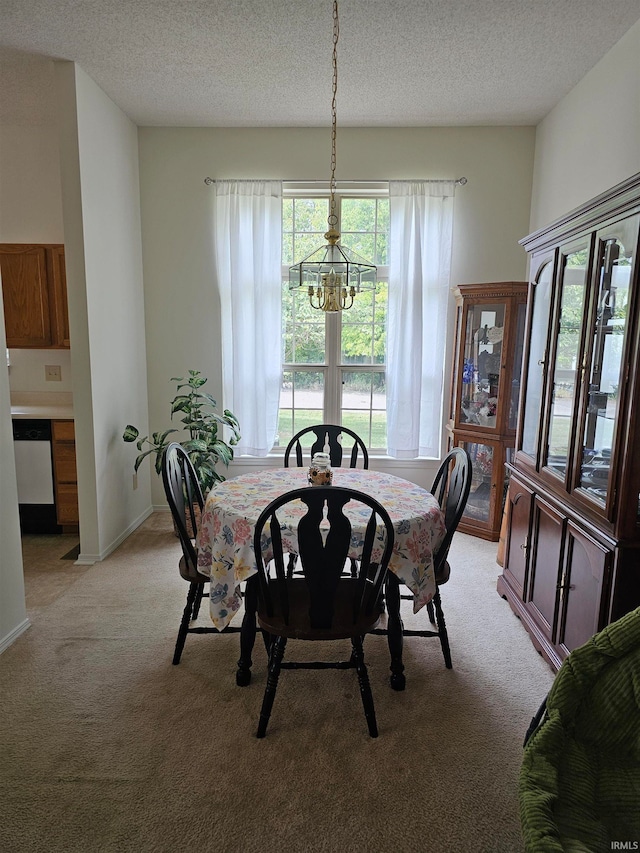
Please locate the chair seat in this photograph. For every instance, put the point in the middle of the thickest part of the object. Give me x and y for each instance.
(299, 626)
(443, 573)
(189, 573)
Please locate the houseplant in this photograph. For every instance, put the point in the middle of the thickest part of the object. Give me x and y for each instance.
(205, 444)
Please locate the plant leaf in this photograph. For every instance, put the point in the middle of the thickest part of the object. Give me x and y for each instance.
(141, 457)
(160, 438)
(130, 433)
(195, 444)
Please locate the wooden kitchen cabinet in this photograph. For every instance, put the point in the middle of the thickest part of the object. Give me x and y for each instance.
(65, 474)
(34, 293)
(572, 546)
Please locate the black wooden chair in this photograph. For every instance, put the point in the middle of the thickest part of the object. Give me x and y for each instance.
(322, 603)
(451, 488)
(185, 500)
(327, 438)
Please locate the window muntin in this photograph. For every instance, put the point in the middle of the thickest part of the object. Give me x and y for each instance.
(334, 364)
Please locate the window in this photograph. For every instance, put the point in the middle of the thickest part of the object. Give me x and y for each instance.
(334, 364)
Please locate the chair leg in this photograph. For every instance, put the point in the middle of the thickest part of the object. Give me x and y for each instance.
(394, 632)
(291, 565)
(357, 655)
(442, 630)
(275, 662)
(247, 632)
(267, 639)
(184, 624)
(431, 613)
(197, 602)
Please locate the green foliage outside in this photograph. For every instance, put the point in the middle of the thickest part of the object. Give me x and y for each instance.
(357, 421)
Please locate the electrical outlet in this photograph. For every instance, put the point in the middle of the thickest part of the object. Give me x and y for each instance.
(135, 481)
(53, 373)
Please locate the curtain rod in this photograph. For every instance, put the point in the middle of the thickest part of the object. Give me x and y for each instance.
(459, 181)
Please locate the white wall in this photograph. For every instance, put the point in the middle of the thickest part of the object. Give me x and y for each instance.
(591, 140)
(181, 304)
(31, 211)
(99, 156)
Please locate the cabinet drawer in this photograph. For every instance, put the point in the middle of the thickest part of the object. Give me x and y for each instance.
(67, 504)
(64, 460)
(63, 430)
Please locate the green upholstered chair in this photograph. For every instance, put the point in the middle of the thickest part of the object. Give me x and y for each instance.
(580, 776)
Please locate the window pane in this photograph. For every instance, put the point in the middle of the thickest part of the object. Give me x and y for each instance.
(381, 256)
(364, 406)
(301, 403)
(287, 231)
(310, 214)
(303, 336)
(382, 206)
(365, 227)
(362, 244)
(358, 214)
(363, 328)
(305, 244)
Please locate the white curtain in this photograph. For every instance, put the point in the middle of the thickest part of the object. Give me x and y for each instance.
(421, 226)
(248, 240)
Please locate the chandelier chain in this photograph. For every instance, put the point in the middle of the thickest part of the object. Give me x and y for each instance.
(333, 219)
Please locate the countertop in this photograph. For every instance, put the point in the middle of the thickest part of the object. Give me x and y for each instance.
(46, 405)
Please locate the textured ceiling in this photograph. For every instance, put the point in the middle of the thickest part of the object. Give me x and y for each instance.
(258, 63)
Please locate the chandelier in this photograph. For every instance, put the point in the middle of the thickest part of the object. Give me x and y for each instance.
(332, 275)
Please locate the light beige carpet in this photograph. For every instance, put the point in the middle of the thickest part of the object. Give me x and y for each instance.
(105, 746)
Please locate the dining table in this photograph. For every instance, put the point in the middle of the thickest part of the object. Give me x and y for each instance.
(224, 544)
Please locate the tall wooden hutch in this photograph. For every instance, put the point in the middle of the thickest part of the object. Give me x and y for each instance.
(485, 392)
(572, 551)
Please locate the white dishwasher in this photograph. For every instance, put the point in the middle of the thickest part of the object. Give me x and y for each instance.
(34, 475)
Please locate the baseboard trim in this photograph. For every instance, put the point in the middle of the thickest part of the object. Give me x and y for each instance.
(12, 636)
(85, 559)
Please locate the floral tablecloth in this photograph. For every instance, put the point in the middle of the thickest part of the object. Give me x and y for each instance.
(225, 535)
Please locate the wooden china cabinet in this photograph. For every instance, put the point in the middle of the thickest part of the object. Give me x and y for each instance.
(485, 391)
(572, 550)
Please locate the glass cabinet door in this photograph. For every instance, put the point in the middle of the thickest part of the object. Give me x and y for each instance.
(483, 334)
(514, 400)
(605, 372)
(541, 296)
(567, 361)
(479, 502)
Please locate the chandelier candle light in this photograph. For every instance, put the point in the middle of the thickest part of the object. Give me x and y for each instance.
(332, 275)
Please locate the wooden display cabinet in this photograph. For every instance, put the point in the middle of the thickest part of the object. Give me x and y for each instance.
(572, 550)
(485, 393)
